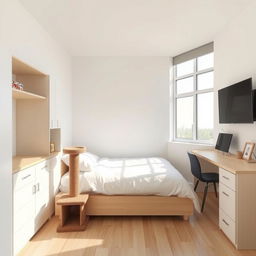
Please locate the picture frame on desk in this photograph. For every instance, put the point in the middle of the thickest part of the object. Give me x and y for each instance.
(248, 150)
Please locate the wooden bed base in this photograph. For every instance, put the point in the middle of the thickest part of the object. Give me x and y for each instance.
(104, 205)
(137, 205)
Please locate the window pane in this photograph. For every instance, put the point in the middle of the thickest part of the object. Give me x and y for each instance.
(205, 116)
(185, 118)
(185, 68)
(184, 85)
(205, 81)
(205, 61)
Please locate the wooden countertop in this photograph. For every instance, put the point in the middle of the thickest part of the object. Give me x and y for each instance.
(226, 161)
(22, 162)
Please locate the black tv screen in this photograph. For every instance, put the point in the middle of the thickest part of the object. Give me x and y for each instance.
(236, 103)
(223, 141)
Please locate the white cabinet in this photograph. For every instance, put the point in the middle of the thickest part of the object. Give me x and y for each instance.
(34, 190)
(23, 207)
(42, 195)
(237, 207)
(30, 202)
(227, 204)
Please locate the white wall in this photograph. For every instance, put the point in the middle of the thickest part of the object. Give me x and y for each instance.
(6, 145)
(121, 105)
(22, 37)
(235, 60)
(177, 155)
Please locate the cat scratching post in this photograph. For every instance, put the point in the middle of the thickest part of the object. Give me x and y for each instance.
(72, 206)
(74, 152)
(74, 189)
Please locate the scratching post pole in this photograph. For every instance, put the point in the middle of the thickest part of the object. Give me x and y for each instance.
(74, 175)
(74, 169)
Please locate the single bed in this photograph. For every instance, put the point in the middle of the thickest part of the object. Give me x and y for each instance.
(133, 186)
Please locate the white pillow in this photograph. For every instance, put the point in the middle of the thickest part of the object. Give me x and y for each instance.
(86, 161)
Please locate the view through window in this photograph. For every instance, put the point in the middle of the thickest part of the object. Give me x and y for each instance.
(193, 99)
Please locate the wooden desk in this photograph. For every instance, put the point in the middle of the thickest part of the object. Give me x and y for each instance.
(226, 161)
(237, 197)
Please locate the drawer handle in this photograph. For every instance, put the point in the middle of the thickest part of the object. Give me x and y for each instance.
(224, 193)
(25, 177)
(34, 189)
(225, 177)
(225, 222)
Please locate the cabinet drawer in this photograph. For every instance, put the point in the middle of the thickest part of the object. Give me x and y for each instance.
(23, 178)
(227, 201)
(228, 179)
(227, 225)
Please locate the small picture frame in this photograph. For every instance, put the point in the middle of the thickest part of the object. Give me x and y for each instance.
(248, 149)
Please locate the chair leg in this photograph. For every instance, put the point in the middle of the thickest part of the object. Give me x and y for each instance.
(205, 194)
(215, 189)
(196, 185)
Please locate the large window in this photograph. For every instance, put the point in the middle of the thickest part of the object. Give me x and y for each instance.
(193, 99)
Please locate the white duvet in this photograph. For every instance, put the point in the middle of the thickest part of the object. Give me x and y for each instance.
(142, 176)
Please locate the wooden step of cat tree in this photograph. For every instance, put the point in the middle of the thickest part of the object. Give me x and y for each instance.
(72, 213)
(72, 205)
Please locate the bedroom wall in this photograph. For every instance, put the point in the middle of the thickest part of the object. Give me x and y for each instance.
(121, 105)
(234, 60)
(23, 37)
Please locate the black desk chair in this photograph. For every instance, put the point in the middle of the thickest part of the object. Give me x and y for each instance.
(209, 177)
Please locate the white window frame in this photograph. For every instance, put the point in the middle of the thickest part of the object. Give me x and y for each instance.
(194, 93)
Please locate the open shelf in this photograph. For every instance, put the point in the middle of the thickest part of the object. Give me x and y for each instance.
(30, 111)
(21, 68)
(23, 95)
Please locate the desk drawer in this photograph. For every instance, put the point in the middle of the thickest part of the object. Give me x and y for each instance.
(227, 201)
(227, 225)
(228, 179)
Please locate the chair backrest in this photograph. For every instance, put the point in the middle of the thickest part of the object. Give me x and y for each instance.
(195, 165)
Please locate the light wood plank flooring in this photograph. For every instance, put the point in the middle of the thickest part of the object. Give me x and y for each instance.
(142, 236)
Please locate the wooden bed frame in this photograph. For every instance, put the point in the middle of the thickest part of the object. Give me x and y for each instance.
(103, 205)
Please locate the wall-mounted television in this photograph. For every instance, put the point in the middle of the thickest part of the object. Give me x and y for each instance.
(236, 103)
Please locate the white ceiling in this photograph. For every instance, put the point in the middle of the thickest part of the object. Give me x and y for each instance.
(133, 27)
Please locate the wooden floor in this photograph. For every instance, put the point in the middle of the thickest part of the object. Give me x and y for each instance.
(131, 236)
